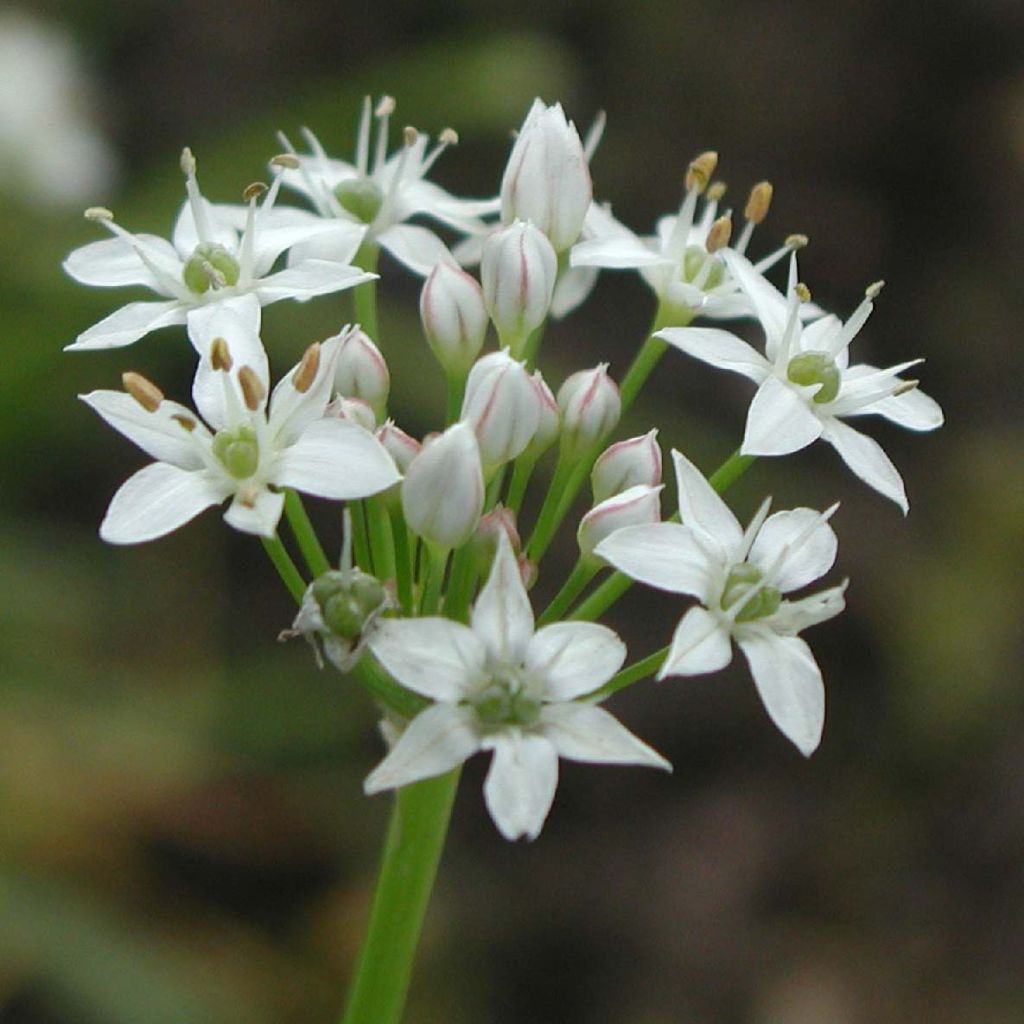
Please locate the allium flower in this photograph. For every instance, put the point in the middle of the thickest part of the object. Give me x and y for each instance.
(806, 387)
(212, 258)
(249, 451)
(381, 193)
(739, 577)
(500, 686)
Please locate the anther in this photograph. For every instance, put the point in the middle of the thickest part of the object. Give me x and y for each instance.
(307, 369)
(410, 135)
(759, 202)
(252, 388)
(719, 235)
(144, 391)
(188, 161)
(98, 213)
(385, 107)
(803, 293)
(253, 191)
(716, 190)
(449, 136)
(698, 174)
(288, 160)
(187, 423)
(872, 290)
(220, 355)
(797, 241)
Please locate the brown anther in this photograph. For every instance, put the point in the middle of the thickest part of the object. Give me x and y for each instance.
(872, 290)
(759, 203)
(306, 371)
(410, 135)
(797, 241)
(253, 191)
(719, 235)
(698, 174)
(252, 387)
(803, 293)
(385, 107)
(716, 190)
(186, 422)
(220, 355)
(449, 136)
(188, 161)
(144, 391)
(289, 160)
(904, 387)
(98, 213)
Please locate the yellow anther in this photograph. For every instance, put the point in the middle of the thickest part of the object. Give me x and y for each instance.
(254, 191)
(719, 235)
(905, 386)
(98, 213)
(410, 135)
(144, 391)
(188, 161)
(797, 241)
(716, 190)
(803, 293)
(759, 202)
(449, 136)
(220, 355)
(307, 369)
(253, 391)
(186, 422)
(699, 172)
(289, 160)
(872, 290)
(385, 107)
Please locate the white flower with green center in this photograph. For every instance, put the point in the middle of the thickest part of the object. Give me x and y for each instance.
(740, 578)
(216, 253)
(806, 386)
(381, 193)
(498, 685)
(247, 450)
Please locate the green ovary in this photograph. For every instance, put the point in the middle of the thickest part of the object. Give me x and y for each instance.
(238, 452)
(503, 703)
(693, 262)
(347, 600)
(810, 368)
(741, 580)
(360, 197)
(210, 264)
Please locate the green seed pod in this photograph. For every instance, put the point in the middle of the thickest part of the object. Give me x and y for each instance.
(810, 368)
(239, 453)
(348, 599)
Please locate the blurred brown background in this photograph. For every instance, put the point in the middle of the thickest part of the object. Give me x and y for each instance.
(182, 831)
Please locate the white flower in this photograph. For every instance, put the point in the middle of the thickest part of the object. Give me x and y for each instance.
(213, 258)
(740, 577)
(500, 686)
(382, 192)
(806, 387)
(248, 452)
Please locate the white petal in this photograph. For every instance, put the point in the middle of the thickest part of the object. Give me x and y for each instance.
(157, 500)
(258, 512)
(186, 238)
(416, 247)
(129, 323)
(789, 682)
(434, 742)
(621, 252)
(866, 458)
(913, 410)
(335, 240)
(769, 304)
(502, 616)
(439, 658)
(779, 421)
(521, 783)
(793, 617)
(335, 459)
(662, 555)
(291, 411)
(338, 245)
(719, 348)
(574, 284)
(157, 433)
(585, 732)
(805, 561)
(574, 658)
(308, 279)
(701, 506)
(114, 262)
(701, 643)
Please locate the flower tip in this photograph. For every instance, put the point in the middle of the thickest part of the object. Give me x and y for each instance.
(872, 291)
(98, 213)
(386, 107)
(797, 241)
(187, 161)
(410, 135)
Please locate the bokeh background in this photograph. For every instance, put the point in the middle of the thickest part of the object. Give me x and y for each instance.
(182, 831)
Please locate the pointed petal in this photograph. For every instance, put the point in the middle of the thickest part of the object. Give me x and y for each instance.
(769, 304)
(700, 644)
(186, 238)
(259, 512)
(662, 555)
(721, 349)
(415, 247)
(574, 658)
(129, 323)
(113, 262)
(779, 421)
(520, 785)
(789, 682)
(620, 252)
(289, 229)
(812, 547)
(335, 459)
(502, 616)
(913, 410)
(572, 288)
(290, 411)
(867, 460)
(436, 657)
(435, 741)
(308, 279)
(793, 617)
(338, 245)
(157, 500)
(700, 506)
(585, 732)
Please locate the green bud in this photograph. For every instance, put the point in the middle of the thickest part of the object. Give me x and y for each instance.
(239, 453)
(810, 368)
(693, 262)
(360, 197)
(741, 580)
(347, 600)
(210, 264)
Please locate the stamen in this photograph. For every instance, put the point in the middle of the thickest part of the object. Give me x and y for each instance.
(719, 235)
(254, 191)
(144, 391)
(253, 391)
(186, 422)
(699, 172)
(409, 135)
(195, 198)
(802, 291)
(448, 137)
(98, 213)
(716, 190)
(286, 160)
(363, 139)
(220, 355)
(872, 291)
(383, 114)
(759, 203)
(797, 241)
(306, 371)
(318, 191)
(594, 133)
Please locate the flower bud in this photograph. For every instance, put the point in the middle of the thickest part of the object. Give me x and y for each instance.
(547, 180)
(503, 407)
(518, 270)
(353, 410)
(591, 407)
(636, 506)
(454, 317)
(488, 531)
(626, 464)
(443, 489)
(399, 445)
(361, 372)
(550, 424)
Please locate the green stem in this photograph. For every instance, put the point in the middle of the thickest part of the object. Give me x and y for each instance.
(403, 559)
(532, 347)
(730, 471)
(455, 394)
(522, 469)
(494, 486)
(647, 357)
(461, 581)
(412, 850)
(583, 572)
(364, 297)
(547, 523)
(360, 540)
(436, 560)
(631, 674)
(305, 534)
(382, 544)
(369, 674)
(290, 576)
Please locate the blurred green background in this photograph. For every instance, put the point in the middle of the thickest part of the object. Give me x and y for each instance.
(182, 831)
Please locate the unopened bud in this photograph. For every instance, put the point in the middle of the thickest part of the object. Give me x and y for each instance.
(454, 317)
(220, 355)
(719, 234)
(253, 391)
(549, 426)
(399, 445)
(306, 371)
(636, 506)
(353, 410)
(698, 174)
(361, 371)
(591, 407)
(144, 391)
(625, 464)
(759, 203)
(499, 520)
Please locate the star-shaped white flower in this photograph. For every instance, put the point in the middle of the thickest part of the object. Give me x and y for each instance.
(498, 685)
(381, 193)
(739, 577)
(806, 386)
(245, 451)
(216, 253)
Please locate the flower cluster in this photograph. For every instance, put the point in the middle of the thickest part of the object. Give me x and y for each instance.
(430, 609)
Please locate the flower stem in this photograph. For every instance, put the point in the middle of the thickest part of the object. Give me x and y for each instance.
(455, 394)
(730, 471)
(435, 561)
(382, 543)
(360, 541)
(364, 297)
(522, 469)
(412, 850)
(583, 572)
(403, 560)
(647, 358)
(305, 535)
(631, 674)
(290, 576)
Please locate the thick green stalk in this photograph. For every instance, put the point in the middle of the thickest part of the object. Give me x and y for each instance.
(412, 850)
(364, 297)
(305, 535)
